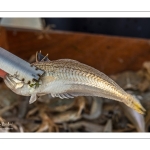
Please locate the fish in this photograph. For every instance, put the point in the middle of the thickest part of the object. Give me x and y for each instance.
(67, 78)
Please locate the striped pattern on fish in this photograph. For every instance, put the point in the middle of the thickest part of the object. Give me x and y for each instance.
(66, 78)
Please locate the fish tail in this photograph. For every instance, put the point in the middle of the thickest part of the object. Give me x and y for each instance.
(136, 105)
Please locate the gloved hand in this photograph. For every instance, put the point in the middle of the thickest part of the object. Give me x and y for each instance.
(2, 73)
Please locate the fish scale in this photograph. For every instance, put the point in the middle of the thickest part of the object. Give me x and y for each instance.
(78, 71)
(66, 78)
(80, 75)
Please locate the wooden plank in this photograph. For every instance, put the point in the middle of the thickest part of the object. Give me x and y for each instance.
(106, 53)
(3, 38)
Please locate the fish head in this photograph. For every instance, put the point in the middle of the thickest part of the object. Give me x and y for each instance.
(18, 86)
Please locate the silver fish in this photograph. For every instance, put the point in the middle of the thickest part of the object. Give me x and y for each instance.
(66, 78)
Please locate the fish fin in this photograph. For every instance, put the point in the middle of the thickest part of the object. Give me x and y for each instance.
(45, 58)
(63, 95)
(33, 98)
(74, 91)
(36, 57)
(138, 107)
(41, 58)
(134, 103)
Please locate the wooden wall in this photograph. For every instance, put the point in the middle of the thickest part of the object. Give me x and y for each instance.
(108, 54)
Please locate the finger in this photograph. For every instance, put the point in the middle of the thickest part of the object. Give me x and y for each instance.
(2, 73)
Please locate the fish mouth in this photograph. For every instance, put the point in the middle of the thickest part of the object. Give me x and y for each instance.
(12, 82)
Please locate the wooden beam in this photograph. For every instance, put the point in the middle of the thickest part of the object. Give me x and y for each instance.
(3, 38)
(108, 54)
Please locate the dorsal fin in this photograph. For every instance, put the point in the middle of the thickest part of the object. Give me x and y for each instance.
(40, 57)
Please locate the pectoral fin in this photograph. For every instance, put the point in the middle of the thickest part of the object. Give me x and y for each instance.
(33, 98)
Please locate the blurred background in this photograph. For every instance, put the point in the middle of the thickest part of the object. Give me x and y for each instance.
(129, 27)
(118, 47)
